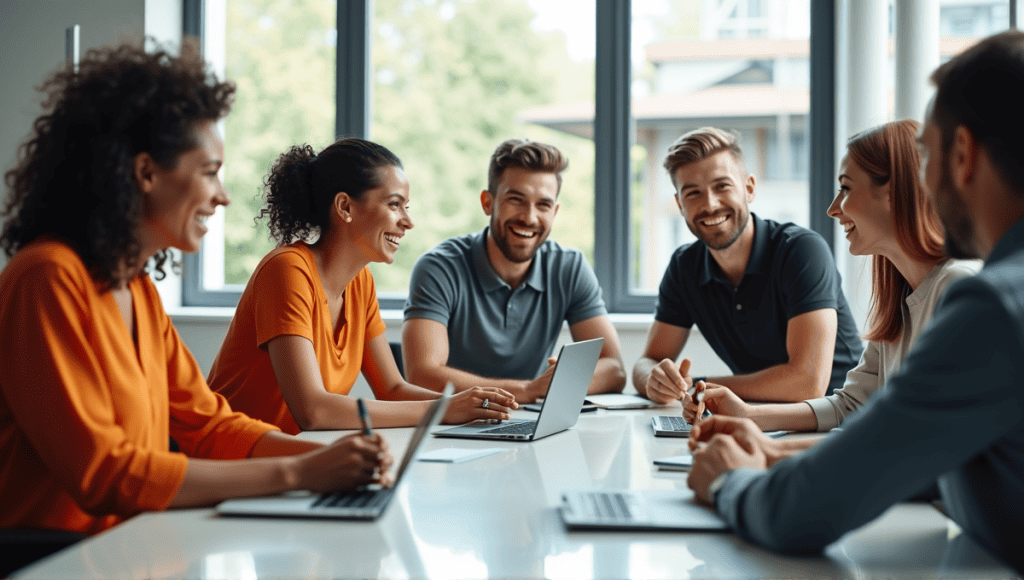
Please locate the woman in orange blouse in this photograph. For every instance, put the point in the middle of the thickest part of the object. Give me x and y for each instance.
(308, 321)
(122, 165)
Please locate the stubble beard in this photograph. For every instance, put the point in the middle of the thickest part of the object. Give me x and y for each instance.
(733, 236)
(500, 237)
(952, 210)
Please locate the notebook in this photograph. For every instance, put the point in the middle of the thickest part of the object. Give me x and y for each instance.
(625, 509)
(569, 382)
(361, 504)
(675, 463)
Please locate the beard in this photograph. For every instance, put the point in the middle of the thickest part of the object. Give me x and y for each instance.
(952, 210)
(500, 235)
(722, 241)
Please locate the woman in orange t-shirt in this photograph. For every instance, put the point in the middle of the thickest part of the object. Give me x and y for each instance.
(308, 321)
(123, 165)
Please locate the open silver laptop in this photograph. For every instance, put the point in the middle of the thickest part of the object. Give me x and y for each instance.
(625, 509)
(569, 383)
(360, 504)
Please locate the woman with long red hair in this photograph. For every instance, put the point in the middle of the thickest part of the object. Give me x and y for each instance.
(886, 214)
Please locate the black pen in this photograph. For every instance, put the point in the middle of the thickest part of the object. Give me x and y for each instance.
(364, 416)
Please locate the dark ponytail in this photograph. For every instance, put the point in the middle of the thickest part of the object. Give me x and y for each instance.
(301, 186)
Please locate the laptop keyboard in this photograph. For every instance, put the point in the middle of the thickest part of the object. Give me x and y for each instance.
(352, 499)
(523, 428)
(673, 423)
(607, 505)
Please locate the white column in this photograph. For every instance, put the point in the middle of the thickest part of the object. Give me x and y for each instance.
(917, 55)
(866, 30)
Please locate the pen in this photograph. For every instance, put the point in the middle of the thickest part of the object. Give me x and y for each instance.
(365, 418)
(700, 396)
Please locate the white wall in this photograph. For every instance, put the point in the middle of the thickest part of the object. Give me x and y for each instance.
(203, 333)
(32, 45)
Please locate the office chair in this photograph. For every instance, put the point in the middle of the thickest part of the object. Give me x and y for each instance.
(20, 547)
(396, 351)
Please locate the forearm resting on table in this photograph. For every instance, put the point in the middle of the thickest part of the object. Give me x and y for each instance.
(783, 417)
(271, 468)
(610, 377)
(642, 373)
(785, 383)
(435, 377)
(209, 481)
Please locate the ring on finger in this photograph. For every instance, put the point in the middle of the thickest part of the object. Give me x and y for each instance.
(487, 404)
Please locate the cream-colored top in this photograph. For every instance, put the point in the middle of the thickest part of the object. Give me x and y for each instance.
(882, 359)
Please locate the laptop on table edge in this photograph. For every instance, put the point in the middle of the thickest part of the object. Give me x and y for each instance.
(636, 510)
(569, 383)
(364, 504)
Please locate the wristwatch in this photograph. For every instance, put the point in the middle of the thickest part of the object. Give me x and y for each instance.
(716, 485)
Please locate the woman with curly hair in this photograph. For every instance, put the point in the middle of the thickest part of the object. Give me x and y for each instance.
(122, 165)
(886, 214)
(308, 321)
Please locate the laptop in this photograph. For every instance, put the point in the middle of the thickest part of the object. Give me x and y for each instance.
(569, 383)
(361, 504)
(625, 509)
(670, 426)
(676, 426)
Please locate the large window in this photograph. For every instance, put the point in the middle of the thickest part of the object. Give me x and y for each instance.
(610, 82)
(451, 80)
(740, 65)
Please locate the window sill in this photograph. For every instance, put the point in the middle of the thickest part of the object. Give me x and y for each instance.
(223, 315)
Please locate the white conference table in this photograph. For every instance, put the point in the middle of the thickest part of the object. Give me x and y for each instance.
(496, 517)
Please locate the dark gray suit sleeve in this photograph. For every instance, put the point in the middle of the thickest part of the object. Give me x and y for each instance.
(955, 397)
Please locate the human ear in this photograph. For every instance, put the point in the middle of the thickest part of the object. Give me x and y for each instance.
(963, 157)
(749, 184)
(343, 206)
(144, 170)
(486, 202)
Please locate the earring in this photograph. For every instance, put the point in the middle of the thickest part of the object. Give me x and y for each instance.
(348, 218)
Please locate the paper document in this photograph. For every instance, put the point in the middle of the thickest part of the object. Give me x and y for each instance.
(455, 455)
(620, 401)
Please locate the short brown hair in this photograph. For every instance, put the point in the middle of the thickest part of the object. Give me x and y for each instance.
(528, 155)
(976, 90)
(701, 143)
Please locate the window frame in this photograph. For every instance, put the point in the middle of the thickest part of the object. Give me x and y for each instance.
(613, 137)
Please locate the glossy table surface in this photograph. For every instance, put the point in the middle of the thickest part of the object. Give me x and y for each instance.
(497, 517)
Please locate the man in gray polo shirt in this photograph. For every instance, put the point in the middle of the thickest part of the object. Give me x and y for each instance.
(485, 309)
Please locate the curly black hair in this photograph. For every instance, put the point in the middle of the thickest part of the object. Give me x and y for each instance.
(74, 177)
(301, 185)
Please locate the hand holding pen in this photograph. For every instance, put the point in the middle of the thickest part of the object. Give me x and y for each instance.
(364, 417)
(380, 473)
(693, 402)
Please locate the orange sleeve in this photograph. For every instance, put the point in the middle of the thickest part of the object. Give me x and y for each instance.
(57, 387)
(284, 298)
(201, 421)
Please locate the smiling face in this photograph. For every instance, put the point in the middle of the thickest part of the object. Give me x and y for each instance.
(380, 217)
(864, 209)
(522, 211)
(178, 200)
(714, 196)
(949, 202)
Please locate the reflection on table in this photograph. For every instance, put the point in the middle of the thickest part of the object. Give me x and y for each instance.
(497, 517)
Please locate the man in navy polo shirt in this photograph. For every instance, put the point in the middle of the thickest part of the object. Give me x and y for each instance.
(955, 410)
(765, 295)
(485, 309)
